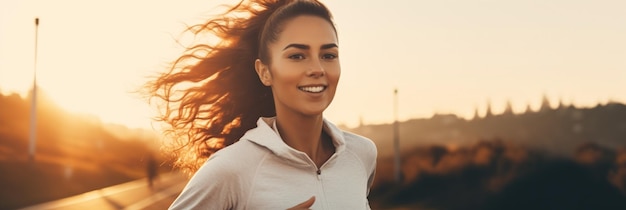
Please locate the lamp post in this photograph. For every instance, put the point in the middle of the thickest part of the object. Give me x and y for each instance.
(33, 107)
(396, 139)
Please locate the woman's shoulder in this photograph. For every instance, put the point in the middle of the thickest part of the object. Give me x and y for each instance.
(353, 139)
(222, 179)
(361, 146)
(236, 157)
(355, 143)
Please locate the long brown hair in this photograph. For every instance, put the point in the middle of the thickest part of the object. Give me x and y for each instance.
(212, 94)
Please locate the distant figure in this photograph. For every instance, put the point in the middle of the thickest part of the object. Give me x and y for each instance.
(252, 104)
(151, 169)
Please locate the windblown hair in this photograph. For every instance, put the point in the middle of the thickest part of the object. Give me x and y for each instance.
(212, 94)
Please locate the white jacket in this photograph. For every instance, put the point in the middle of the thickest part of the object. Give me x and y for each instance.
(260, 171)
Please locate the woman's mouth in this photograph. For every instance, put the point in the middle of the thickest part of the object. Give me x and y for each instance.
(312, 89)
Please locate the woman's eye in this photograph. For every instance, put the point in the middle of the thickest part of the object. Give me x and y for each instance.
(329, 56)
(296, 57)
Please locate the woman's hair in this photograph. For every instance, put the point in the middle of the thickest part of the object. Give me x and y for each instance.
(212, 94)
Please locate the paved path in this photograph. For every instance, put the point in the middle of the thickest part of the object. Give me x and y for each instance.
(132, 195)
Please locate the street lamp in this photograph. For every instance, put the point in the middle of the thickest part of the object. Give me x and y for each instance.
(396, 139)
(33, 107)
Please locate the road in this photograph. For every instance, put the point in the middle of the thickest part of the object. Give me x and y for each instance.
(132, 195)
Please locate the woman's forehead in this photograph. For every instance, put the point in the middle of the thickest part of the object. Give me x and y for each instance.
(307, 30)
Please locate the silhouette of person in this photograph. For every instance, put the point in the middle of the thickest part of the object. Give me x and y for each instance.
(151, 170)
(253, 103)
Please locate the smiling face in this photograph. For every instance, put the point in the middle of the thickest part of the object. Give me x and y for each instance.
(304, 66)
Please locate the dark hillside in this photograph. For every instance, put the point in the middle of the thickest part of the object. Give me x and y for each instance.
(562, 158)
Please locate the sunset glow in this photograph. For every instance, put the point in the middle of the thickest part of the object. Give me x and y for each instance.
(443, 56)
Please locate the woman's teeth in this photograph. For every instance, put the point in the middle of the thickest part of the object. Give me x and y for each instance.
(313, 89)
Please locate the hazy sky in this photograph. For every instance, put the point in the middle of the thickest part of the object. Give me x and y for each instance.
(444, 56)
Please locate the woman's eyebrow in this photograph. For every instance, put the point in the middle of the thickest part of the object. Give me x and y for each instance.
(306, 47)
(298, 46)
(328, 46)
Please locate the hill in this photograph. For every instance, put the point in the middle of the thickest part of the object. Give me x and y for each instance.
(74, 153)
(563, 158)
(557, 130)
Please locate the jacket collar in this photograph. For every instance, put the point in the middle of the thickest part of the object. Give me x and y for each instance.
(265, 136)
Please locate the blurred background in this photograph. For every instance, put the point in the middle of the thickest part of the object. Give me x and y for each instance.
(493, 104)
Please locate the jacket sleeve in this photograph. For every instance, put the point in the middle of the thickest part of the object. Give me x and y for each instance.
(371, 162)
(370, 180)
(372, 155)
(213, 186)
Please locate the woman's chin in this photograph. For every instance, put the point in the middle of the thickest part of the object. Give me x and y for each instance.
(313, 111)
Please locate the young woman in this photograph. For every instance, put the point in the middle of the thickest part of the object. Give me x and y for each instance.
(253, 105)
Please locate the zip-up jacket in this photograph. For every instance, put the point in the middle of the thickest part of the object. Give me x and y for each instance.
(260, 171)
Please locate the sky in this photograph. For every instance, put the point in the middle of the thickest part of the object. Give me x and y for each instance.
(443, 57)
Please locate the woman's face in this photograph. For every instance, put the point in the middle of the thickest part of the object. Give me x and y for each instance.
(304, 69)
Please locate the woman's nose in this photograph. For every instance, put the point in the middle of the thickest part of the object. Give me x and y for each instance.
(316, 69)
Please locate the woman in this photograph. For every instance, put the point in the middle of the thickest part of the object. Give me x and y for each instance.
(253, 105)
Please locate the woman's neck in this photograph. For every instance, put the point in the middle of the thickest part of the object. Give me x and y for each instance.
(304, 133)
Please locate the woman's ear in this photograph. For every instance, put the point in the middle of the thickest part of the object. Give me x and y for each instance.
(264, 72)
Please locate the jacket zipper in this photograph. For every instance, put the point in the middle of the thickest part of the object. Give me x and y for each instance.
(319, 178)
(319, 174)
